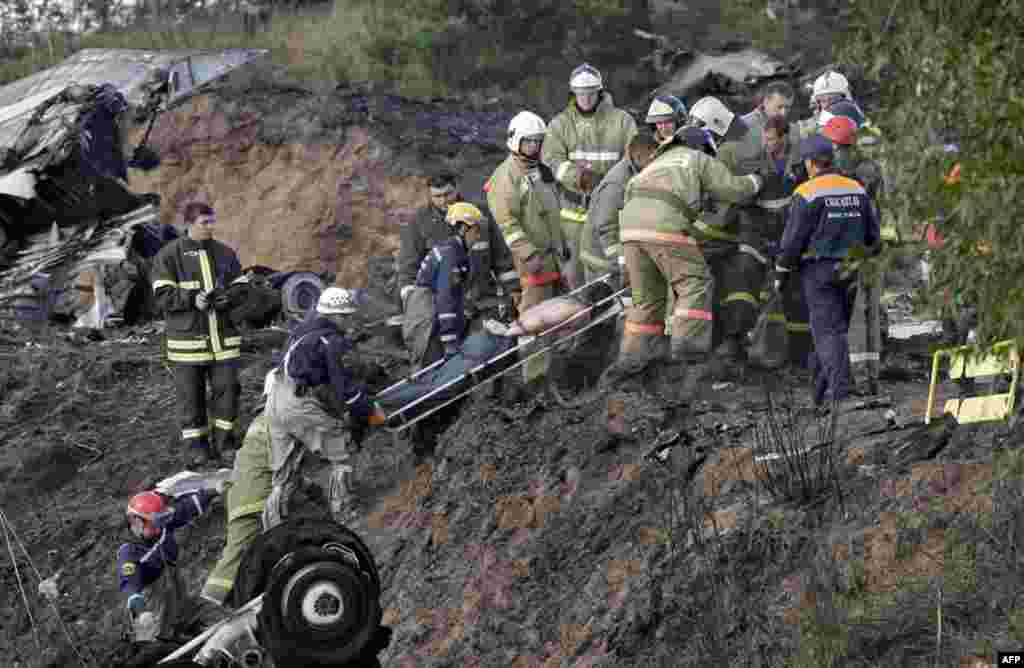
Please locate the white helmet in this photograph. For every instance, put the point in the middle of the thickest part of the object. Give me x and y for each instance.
(713, 114)
(336, 301)
(524, 125)
(585, 79)
(830, 83)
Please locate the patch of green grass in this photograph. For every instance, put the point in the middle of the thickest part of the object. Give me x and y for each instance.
(379, 40)
(821, 644)
(748, 17)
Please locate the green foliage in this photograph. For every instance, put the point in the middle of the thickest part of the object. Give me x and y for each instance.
(380, 40)
(748, 18)
(950, 70)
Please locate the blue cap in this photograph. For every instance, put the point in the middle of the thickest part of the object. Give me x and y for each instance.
(815, 146)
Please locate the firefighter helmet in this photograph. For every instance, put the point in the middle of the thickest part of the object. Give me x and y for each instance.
(145, 510)
(586, 79)
(336, 301)
(525, 125)
(830, 83)
(465, 213)
(841, 130)
(709, 112)
(666, 108)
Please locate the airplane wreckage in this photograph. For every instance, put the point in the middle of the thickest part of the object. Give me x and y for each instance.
(68, 220)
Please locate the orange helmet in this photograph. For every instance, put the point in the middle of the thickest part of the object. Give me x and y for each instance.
(144, 510)
(841, 130)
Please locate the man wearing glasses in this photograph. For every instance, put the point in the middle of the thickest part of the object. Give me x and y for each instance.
(191, 275)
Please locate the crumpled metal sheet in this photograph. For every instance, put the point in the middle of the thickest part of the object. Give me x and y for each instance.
(126, 69)
(733, 71)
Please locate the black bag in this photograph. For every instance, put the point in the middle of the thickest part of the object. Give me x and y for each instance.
(769, 342)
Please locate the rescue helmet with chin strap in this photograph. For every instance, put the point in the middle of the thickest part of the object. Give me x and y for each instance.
(525, 125)
(145, 512)
(666, 108)
(830, 83)
(586, 79)
(710, 113)
(337, 301)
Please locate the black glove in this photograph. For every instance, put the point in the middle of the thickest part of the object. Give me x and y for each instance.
(222, 300)
(144, 158)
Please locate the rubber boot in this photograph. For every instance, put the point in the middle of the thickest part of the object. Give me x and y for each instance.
(697, 368)
(636, 354)
(729, 359)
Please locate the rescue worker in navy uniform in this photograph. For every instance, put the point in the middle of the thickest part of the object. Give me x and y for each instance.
(492, 269)
(158, 607)
(829, 216)
(316, 404)
(444, 273)
(190, 277)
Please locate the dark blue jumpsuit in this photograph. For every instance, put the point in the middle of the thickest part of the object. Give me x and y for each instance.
(149, 568)
(445, 270)
(829, 215)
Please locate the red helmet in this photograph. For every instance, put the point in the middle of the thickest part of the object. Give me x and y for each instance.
(143, 510)
(841, 130)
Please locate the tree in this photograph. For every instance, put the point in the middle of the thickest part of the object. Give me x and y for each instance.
(951, 73)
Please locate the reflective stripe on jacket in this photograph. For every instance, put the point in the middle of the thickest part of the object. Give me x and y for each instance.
(598, 138)
(525, 205)
(664, 200)
(181, 270)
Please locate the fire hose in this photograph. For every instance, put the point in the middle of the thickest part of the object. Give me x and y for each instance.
(475, 371)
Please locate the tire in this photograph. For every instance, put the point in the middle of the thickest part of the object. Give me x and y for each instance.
(319, 609)
(300, 293)
(271, 546)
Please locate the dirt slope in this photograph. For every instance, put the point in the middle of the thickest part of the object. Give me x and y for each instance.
(535, 539)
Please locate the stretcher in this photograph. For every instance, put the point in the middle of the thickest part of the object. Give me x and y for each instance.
(490, 369)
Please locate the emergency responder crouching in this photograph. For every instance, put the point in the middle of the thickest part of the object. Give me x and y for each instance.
(662, 246)
(490, 262)
(583, 142)
(829, 216)
(315, 404)
(191, 275)
(158, 606)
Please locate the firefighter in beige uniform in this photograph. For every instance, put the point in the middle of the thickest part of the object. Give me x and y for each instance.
(523, 197)
(583, 143)
(662, 246)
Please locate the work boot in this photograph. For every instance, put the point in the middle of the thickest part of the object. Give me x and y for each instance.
(637, 353)
(729, 359)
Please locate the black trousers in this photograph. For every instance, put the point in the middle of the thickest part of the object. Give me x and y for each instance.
(197, 417)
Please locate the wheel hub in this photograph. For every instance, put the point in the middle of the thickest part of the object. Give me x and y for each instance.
(322, 602)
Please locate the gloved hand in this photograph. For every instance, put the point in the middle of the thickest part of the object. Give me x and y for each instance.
(534, 264)
(451, 349)
(585, 178)
(377, 417)
(340, 488)
(760, 182)
(203, 301)
(221, 300)
(144, 158)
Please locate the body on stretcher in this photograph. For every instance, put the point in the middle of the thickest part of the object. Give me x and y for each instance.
(490, 354)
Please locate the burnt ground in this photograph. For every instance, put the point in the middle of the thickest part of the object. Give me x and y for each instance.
(537, 538)
(537, 534)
